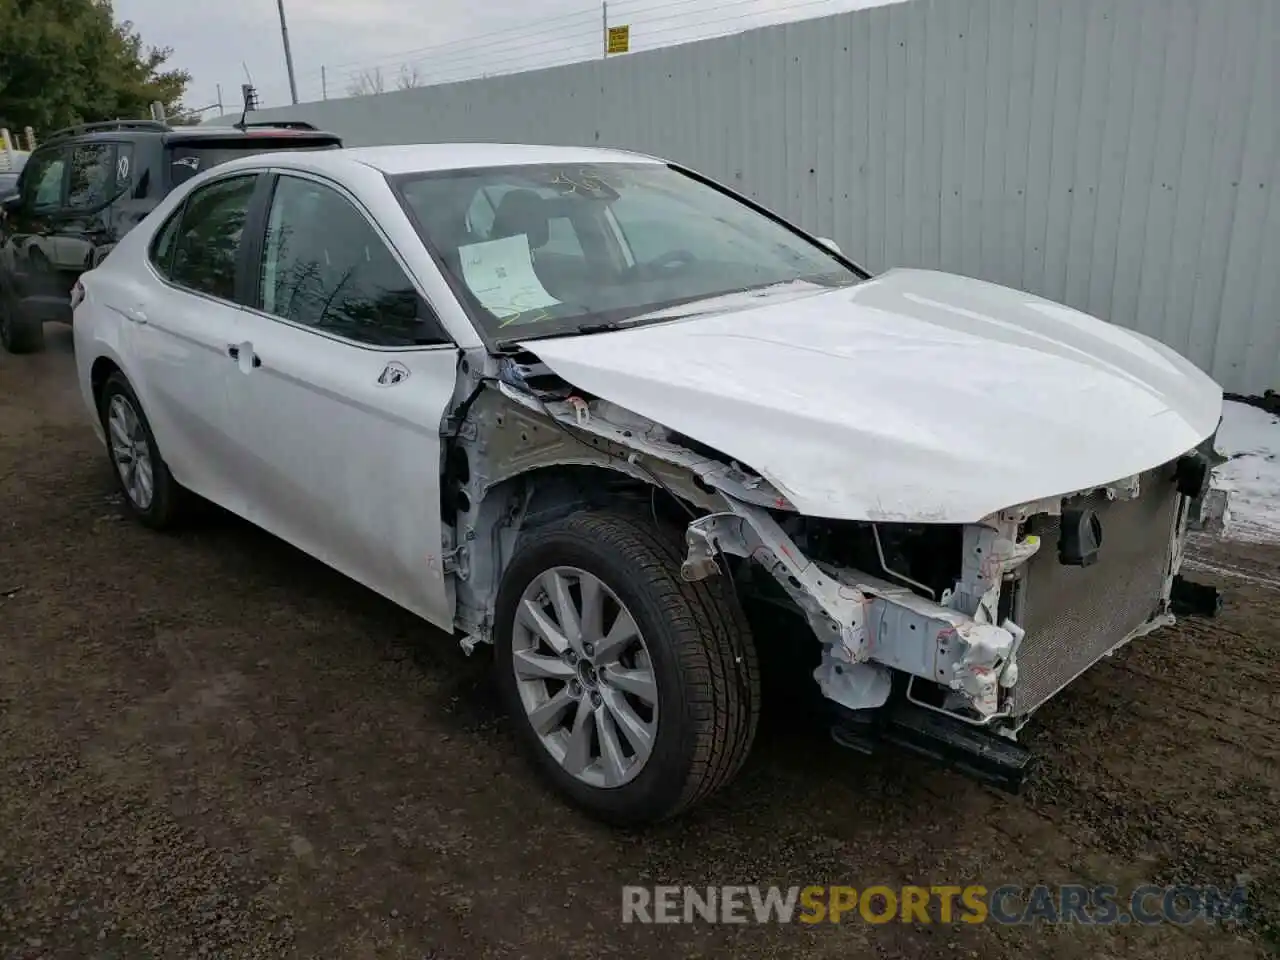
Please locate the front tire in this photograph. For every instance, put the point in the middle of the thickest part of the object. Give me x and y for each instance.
(151, 494)
(636, 693)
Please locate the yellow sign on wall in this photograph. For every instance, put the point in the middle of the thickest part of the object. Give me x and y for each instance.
(619, 39)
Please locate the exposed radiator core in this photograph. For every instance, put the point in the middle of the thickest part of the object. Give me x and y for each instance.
(1075, 615)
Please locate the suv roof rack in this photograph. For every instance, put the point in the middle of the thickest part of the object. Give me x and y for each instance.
(285, 124)
(108, 125)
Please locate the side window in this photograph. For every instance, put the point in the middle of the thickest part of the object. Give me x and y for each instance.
(484, 206)
(654, 226)
(42, 180)
(162, 243)
(208, 240)
(562, 238)
(324, 266)
(92, 176)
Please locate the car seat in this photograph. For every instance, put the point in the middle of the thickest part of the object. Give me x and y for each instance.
(522, 212)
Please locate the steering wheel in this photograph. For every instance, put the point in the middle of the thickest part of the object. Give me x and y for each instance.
(672, 258)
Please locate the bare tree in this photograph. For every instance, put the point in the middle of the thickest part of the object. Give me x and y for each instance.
(366, 82)
(409, 78)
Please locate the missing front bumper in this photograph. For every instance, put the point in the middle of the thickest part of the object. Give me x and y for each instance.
(993, 664)
(973, 751)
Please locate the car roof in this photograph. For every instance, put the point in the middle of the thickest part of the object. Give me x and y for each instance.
(428, 157)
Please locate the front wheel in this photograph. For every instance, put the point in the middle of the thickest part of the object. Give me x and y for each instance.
(636, 693)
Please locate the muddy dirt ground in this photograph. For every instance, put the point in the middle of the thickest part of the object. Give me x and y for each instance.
(211, 745)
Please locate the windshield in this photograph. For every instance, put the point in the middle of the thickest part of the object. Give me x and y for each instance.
(548, 250)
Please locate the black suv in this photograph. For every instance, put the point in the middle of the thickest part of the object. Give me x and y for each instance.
(85, 187)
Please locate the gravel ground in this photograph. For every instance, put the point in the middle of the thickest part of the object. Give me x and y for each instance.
(214, 746)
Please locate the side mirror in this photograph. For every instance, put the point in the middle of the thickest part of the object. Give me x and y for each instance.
(10, 200)
(830, 245)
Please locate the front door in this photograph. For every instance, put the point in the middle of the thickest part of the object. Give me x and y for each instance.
(339, 399)
(63, 224)
(30, 252)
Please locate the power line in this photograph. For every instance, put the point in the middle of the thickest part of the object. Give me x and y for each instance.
(470, 54)
(741, 16)
(516, 63)
(556, 41)
(418, 52)
(551, 25)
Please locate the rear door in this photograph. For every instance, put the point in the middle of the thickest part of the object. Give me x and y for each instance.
(182, 323)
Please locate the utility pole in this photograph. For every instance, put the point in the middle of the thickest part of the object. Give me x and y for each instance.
(324, 84)
(604, 30)
(221, 112)
(288, 54)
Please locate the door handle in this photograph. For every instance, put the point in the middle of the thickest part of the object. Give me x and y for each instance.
(233, 351)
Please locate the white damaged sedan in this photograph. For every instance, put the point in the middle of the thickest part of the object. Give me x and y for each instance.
(599, 412)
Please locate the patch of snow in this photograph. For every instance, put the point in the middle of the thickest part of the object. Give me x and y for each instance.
(1251, 438)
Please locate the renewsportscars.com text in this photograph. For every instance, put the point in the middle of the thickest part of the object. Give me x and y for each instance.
(1103, 905)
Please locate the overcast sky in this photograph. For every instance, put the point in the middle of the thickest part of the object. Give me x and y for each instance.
(440, 39)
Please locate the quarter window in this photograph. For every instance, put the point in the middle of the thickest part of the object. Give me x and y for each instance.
(163, 242)
(324, 266)
(208, 241)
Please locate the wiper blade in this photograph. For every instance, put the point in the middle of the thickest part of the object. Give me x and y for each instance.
(602, 327)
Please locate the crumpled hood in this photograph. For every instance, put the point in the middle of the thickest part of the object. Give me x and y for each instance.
(916, 396)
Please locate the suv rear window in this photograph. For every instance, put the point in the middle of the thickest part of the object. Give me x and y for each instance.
(190, 157)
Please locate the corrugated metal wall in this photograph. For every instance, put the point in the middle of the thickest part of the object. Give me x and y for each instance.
(1121, 156)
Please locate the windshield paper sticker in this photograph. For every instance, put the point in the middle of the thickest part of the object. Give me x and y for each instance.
(500, 274)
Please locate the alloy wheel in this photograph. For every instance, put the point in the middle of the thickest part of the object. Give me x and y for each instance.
(585, 677)
(130, 451)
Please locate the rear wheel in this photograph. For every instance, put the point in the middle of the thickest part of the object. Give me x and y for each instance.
(19, 334)
(150, 492)
(636, 693)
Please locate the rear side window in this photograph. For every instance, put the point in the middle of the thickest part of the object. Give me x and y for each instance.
(207, 242)
(188, 158)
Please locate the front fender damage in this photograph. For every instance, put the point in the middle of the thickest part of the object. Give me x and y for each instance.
(873, 632)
